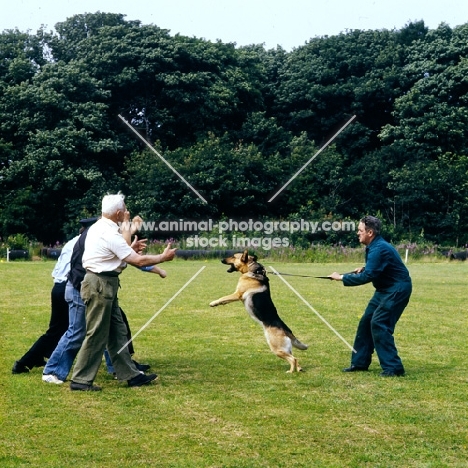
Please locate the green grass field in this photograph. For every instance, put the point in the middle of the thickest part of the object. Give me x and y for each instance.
(223, 399)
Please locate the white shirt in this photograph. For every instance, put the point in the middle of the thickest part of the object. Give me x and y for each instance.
(105, 248)
(62, 267)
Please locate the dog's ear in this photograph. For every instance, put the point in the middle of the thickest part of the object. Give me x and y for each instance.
(254, 258)
(245, 256)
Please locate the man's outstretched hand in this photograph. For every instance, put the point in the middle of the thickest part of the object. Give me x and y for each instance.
(138, 245)
(168, 253)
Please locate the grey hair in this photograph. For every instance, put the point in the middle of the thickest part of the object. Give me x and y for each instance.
(113, 203)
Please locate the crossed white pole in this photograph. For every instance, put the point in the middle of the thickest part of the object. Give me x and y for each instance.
(197, 273)
(161, 309)
(162, 159)
(198, 194)
(311, 159)
(272, 198)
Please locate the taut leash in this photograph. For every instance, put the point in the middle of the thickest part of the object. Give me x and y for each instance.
(291, 274)
(309, 276)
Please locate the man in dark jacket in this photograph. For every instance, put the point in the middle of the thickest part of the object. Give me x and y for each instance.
(392, 283)
(58, 324)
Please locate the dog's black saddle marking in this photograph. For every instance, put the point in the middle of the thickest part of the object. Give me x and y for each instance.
(266, 312)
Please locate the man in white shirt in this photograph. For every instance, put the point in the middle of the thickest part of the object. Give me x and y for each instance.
(105, 256)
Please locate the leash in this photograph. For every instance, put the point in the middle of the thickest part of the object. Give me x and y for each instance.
(313, 310)
(309, 276)
(291, 274)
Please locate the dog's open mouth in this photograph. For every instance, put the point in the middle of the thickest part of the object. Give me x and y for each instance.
(232, 268)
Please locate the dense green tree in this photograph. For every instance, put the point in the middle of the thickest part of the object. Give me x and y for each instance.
(174, 89)
(233, 179)
(237, 123)
(70, 41)
(431, 199)
(333, 77)
(430, 133)
(63, 146)
(431, 118)
(21, 56)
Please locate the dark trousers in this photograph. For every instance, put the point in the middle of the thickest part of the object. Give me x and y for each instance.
(376, 327)
(131, 349)
(58, 325)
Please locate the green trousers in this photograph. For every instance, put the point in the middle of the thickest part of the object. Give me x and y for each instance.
(104, 328)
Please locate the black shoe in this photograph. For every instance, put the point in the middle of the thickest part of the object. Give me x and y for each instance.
(355, 369)
(395, 373)
(141, 367)
(19, 368)
(41, 363)
(84, 387)
(141, 379)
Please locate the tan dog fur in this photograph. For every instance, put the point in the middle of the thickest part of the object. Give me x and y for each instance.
(254, 291)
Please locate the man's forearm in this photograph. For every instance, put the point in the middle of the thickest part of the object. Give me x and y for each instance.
(147, 260)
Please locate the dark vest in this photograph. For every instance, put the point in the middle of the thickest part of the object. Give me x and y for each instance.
(77, 272)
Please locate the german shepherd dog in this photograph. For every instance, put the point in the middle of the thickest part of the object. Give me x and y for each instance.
(253, 290)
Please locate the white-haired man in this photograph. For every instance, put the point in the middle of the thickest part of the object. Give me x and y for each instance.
(105, 256)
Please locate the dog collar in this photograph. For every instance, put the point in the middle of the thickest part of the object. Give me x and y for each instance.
(259, 271)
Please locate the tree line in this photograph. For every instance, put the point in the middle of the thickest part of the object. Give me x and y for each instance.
(237, 123)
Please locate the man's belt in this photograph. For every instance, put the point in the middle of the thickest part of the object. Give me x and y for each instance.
(105, 273)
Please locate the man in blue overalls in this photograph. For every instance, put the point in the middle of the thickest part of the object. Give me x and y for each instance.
(392, 283)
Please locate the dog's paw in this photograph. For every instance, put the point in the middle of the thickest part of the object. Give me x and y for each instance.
(213, 304)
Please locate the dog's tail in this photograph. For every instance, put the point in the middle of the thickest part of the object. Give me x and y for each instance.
(294, 341)
(297, 344)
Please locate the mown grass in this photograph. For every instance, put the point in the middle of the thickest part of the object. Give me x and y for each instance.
(223, 399)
